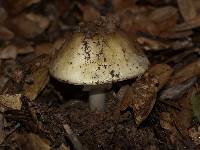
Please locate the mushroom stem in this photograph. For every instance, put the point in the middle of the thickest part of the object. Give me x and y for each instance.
(97, 100)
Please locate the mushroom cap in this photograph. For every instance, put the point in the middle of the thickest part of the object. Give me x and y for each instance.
(98, 59)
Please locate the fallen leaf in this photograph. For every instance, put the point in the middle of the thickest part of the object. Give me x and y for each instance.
(119, 5)
(176, 91)
(183, 117)
(3, 132)
(191, 24)
(176, 34)
(5, 34)
(141, 96)
(163, 19)
(89, 12)
(32, 142)
(166, 121)
(39, 79)
(180, 45)
(194, 133)
(44, 48)
(163, 73)
(11, 101)
(29, 25)
(187, 72)
(63, 147)
(187, 9)
(24, 48)
(15, 7)
(152, 45)
(8, 52)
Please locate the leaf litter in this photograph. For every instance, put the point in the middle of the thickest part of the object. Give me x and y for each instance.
(158, 110)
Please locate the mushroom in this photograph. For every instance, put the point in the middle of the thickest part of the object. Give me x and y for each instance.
(95, 57)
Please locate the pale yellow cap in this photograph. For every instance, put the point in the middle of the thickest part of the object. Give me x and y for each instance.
(98, 59)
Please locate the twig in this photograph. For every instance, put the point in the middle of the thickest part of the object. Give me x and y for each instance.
(73, 138)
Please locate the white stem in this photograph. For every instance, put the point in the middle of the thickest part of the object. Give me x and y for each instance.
(97, 100)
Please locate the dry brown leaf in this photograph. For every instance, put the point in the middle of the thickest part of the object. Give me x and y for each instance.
(5, 34)
(176, 91)
(163, 13)
(29, 25)
(194, 133)
(11, 101)
(166, 121)
(44, 48)
(191, 24)
(119, 5)
(176, 35)
(187, 72)
(141, 96)
(89, 12)
(63, 147)
(187, 9)
(8, 52)
(31, 142)
(182, 44)
(15, 7)
(163, 73)
(152, 45)
(24, 49)
(39, 80)
(163, 18)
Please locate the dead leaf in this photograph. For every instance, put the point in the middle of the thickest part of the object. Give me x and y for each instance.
(163, 18)
(119, 5)
(32, 142)
(163, 13)
(152, 45)
(163, 73)
(89, 12)
(44, 48)
(187, 72)
(191, 24)
(15, 7)
(194, 133)
(187, 9)
(183, 118)
(180, 45)
(141, 96)
(29, 25)
(176, 91)
(166, 121)
(63, 147)
(3, 132)
(8, 52)
(11, 101)
(24, 48)
(5, 34)
(176, 35)
(39, 80)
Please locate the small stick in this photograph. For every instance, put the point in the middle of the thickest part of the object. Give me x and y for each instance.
(73, 138)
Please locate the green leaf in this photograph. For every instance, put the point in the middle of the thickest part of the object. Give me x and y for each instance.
(195, 100)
